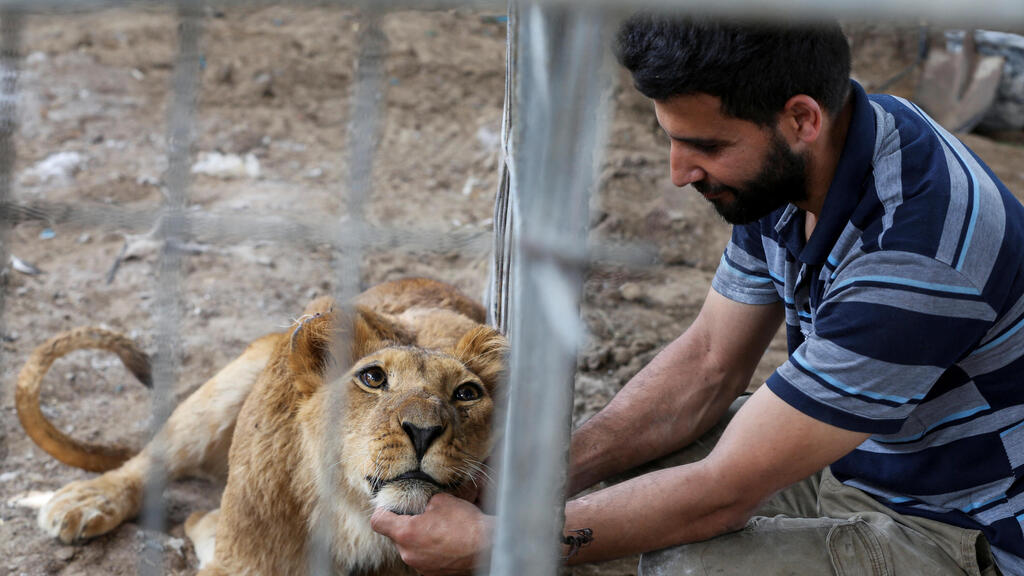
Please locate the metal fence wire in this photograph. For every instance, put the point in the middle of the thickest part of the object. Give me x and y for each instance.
(549, 235)
(554, 126)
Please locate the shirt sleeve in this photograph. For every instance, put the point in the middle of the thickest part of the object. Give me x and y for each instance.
(743, 274)
(889, 327)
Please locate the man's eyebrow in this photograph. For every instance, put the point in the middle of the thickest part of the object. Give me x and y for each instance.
(700, 142)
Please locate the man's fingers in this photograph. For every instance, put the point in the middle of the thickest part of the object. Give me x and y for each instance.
(441, 499)
(383, 521)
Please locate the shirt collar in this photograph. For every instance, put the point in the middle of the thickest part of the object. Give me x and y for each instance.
(844, 193)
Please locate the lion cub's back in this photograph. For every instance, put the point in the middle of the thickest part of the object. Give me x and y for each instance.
(397, 296)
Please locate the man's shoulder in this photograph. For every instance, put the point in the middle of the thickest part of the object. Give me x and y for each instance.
(929, 190)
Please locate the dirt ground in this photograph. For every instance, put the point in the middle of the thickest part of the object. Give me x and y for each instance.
(94, 92)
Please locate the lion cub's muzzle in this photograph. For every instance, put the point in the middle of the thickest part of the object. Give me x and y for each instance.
(418, 465)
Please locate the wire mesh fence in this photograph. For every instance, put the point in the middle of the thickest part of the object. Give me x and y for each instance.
(555, 124)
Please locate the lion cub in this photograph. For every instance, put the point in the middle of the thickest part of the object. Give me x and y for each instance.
(309, 448)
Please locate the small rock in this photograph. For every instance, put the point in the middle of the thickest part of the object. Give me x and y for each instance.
(631, 291)
(642, 344)
(66, 553)
(622, 356)
(176, 544)
(8, 476)
(227, 166)
(596, 359)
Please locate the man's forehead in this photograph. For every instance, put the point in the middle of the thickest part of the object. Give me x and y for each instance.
(696, 117)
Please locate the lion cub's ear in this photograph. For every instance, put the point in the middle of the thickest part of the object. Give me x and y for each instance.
(482, 350)
(309, 347)
(375, 330)
(321, 324)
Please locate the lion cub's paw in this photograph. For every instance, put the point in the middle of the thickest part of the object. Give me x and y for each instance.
(201, 529)
(86, 509)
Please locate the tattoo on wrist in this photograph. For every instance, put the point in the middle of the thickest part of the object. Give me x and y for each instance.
(575, 540)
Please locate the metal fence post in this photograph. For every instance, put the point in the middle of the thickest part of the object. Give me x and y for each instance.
(558, 135)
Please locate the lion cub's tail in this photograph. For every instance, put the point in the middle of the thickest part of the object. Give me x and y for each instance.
(68, 450)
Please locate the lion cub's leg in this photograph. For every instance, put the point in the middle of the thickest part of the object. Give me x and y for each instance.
(194, 440)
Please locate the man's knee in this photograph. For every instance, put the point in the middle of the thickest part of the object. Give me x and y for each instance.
(767, 546)
(673, 561)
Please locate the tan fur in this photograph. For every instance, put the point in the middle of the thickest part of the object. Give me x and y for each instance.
(313, 448)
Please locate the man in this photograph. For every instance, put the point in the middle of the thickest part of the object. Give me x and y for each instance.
(891, 440)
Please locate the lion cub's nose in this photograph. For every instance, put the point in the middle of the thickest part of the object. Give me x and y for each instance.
(421, 438)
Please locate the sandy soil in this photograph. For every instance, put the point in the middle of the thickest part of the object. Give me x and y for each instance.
(275, 84)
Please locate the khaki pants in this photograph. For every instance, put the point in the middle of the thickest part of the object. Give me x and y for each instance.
(820, 526)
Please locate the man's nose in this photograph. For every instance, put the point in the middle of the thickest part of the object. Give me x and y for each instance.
(684, 170)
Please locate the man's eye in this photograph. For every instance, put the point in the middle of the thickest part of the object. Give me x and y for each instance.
(373, 377)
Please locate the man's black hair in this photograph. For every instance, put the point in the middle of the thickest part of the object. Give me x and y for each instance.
(753, 68)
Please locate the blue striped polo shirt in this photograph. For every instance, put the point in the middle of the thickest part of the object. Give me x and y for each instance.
(904, 316)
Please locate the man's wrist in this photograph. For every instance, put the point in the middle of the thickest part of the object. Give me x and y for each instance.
(574, 540)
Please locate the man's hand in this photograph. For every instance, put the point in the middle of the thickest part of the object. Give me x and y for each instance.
(445, 539)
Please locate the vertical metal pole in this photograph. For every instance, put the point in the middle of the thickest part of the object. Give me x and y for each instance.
(561, 75)
(10, 58)
(173, 231)
(362, 139)
(499, 288)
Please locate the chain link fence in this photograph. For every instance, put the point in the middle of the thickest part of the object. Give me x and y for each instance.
(554, 128)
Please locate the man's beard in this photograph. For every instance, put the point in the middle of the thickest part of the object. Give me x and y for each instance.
(783, 180)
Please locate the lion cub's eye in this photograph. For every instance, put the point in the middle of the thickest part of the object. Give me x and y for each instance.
(373, 377)
(468, 391)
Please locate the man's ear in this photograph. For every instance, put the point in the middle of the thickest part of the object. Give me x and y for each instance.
(483, 351)
(801, 120)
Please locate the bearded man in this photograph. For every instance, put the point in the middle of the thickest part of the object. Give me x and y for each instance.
(891, 441)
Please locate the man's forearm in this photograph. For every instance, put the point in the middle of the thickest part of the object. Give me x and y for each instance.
(680, 395)
(767, 446)
(656, 510)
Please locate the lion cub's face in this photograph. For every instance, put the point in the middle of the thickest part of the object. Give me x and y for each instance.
(420, 423)
(417, 410)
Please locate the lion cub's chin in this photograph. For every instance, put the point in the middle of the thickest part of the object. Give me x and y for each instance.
(408, 497)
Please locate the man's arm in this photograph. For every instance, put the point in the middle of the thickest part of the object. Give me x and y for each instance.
(767, 446)
(681, 394)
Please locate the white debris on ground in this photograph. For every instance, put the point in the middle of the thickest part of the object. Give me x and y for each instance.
(59, 167)
(227, 166)
(24, 267)
(33, 499)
